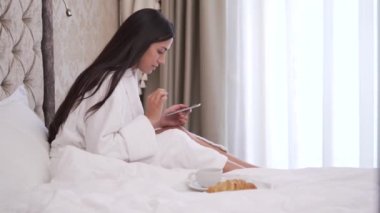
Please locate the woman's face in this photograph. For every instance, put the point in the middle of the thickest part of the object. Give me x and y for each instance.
(154, 56)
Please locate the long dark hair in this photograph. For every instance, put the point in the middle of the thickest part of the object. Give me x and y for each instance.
(123, 51)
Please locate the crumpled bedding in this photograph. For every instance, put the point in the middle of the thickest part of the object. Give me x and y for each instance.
(85, 182)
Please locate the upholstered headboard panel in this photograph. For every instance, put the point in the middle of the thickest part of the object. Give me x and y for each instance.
(21, 61)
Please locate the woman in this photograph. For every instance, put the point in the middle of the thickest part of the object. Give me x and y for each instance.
(102, 112)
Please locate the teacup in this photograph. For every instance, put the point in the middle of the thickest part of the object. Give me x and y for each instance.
(206, 177)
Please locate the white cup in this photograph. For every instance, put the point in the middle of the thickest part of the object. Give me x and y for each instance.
(207, 177)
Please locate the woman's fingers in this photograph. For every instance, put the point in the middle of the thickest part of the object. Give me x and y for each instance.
(158, 96)
(174, 108)
(155, 104)
(179, 119)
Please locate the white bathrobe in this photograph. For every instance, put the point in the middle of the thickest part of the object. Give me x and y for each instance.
(119, 129)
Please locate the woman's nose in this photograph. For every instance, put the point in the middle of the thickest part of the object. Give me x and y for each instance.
(161, 59)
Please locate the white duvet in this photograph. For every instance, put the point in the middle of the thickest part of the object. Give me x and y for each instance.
(84, 182)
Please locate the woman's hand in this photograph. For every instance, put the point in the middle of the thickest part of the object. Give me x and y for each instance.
(154, 106)
(178, 119)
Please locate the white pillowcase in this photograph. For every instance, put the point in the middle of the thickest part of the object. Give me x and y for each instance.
(24, 150)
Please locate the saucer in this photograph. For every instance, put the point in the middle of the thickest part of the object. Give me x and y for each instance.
(193, 184)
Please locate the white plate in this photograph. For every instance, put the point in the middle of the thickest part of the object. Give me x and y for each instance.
(193, 184)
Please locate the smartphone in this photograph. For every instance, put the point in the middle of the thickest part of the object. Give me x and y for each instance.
(184, 109)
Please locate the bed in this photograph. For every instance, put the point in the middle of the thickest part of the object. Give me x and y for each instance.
(85, 182)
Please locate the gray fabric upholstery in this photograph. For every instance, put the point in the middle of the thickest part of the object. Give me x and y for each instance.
(21, 61)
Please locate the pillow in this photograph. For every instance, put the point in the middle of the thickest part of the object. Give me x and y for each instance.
(19, 94)
(24, 150)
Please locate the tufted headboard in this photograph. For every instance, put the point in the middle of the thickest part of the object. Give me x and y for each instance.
(26, 52)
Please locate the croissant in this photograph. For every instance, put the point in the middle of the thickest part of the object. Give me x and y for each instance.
(231, 185)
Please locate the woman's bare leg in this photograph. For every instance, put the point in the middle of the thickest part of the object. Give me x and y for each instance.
(230, 165)
(238, 161)
(231, 158)
(234, 161)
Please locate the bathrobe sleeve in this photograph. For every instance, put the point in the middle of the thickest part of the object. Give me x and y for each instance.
(107, 133)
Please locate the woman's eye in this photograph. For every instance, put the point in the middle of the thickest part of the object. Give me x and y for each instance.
(161, 52)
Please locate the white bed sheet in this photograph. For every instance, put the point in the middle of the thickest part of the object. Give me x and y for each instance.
(84, 182)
